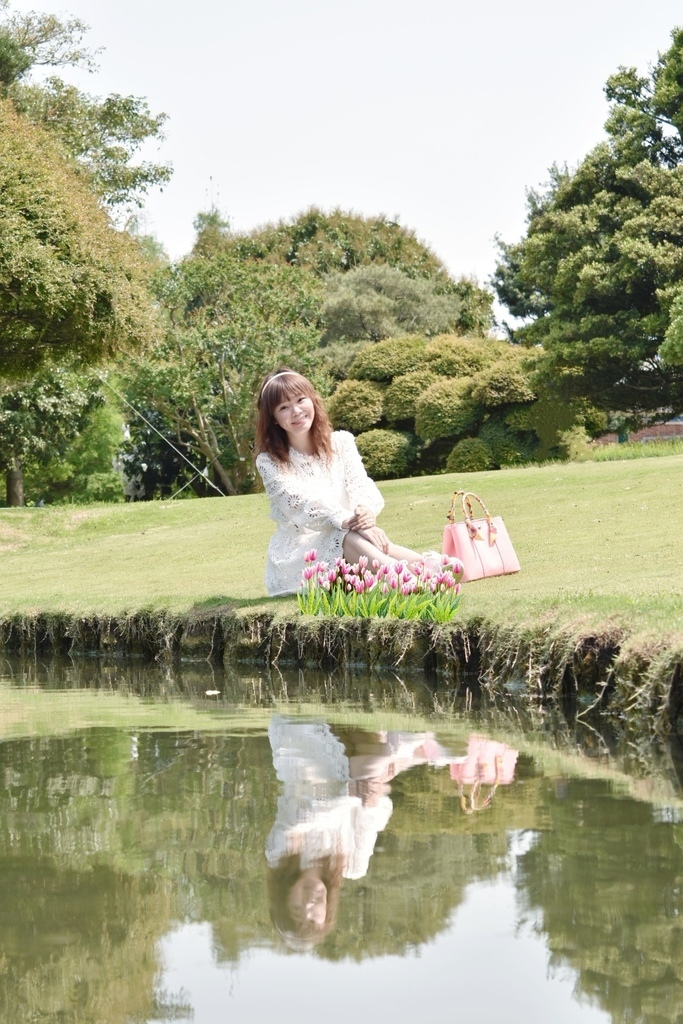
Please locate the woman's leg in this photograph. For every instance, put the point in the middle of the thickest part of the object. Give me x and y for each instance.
(356, 545)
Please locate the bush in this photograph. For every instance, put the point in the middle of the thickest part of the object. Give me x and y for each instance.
(356, 405)
(507, 447)
(384, 360)
(470, 455)
(450, 356)
(502, 384)
(386, 453)
(445, 410)
(401, 397)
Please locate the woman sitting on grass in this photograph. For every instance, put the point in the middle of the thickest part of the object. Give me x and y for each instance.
(320, 495)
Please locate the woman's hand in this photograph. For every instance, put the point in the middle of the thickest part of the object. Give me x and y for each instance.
(362, 519)
(377, 537)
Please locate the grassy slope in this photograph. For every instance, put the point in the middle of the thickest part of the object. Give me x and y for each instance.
(597, 542)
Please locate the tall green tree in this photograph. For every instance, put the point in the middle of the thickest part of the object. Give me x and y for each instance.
(39, 420)
(229, 322)
(602, 259)
(69, 282)
(104, 135)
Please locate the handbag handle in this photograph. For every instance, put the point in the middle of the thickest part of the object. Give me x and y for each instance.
(468, 515)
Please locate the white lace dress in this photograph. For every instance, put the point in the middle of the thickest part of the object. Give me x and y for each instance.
(316, 816)
(309, 500)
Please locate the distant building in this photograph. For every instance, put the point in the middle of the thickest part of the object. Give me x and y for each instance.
(671, 430)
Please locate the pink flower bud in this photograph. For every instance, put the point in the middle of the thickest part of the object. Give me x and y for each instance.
(363, 561)
(311, 555)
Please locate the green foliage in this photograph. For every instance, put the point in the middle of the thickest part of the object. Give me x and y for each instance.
(576, 443)
(388, 359)
(386, 453)
(379, 301)
(402, 395)
(338, 241)
(450, 356)
(507, 447)
(104, 135)
(671, 350)
(446, 410)
(469, 455)
(85, 472)
(69, 283)
(635, 450)
(40, 418)
(355, 405)
(602, 260)
(14, 61)
(228, 323)
(502, 384)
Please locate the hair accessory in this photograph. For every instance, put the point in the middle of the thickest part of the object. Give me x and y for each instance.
(282, 373)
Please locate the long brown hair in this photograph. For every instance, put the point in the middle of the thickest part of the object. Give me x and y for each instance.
(280, 386)
(303, 935)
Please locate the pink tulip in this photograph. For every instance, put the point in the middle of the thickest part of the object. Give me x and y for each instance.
(311, 555)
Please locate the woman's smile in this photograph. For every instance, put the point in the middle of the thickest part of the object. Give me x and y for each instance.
(295, 415)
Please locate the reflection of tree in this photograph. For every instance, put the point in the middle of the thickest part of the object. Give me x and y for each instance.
(609, 884)
(105, 843)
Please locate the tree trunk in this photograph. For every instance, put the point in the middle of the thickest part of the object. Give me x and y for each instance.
(15, 486)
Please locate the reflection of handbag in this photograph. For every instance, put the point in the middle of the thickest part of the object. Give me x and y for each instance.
(482, 545)
(488, 763)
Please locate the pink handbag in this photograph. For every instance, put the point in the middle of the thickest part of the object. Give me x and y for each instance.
(482, 545)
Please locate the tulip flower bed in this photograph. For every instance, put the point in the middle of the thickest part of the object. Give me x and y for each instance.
(426, 592)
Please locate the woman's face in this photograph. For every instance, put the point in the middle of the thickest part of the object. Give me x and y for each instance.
(307, 899)
(295, 415)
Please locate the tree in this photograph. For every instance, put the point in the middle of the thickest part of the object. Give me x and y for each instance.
(39, 420)
(602, 259)
(69, 282)
(378, 301)
(228, 323)
(104, 135)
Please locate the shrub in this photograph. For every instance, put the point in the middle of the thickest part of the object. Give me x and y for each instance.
(502, 384)
(445, 410)
(401, 397)
(507, 447)
(356, 405)
(386, 453)
(450, 356)
(470, 455)
(384, 360)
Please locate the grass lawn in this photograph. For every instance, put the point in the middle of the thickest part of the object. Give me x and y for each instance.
(598, 543)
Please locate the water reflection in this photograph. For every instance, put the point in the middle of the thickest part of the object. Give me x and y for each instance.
(334, 803)
(451, 859)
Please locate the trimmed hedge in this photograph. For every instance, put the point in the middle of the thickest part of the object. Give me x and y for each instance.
(356, 405)
(384, 360)
(386, 453)
(470, 455)
(451, 356)
(402, 395)
(446, 410)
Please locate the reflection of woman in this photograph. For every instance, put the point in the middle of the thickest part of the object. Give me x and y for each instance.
(320, 495)
(334, 803)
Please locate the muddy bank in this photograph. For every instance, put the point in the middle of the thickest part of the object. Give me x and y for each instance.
(608, 671)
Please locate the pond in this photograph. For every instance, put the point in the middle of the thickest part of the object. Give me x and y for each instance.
(184, 845)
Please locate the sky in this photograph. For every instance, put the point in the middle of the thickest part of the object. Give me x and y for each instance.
(439, 113)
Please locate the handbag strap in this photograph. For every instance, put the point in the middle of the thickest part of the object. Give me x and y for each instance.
(466, 498)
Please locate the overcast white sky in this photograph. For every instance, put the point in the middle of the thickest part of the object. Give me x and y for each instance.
(438, 112)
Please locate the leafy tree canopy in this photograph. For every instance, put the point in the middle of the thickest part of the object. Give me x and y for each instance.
(602, 259)
(104, 135)
(229, 322)
(378, 301)
(69, 283)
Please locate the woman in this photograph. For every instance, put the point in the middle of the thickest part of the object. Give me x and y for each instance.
(320, 495)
